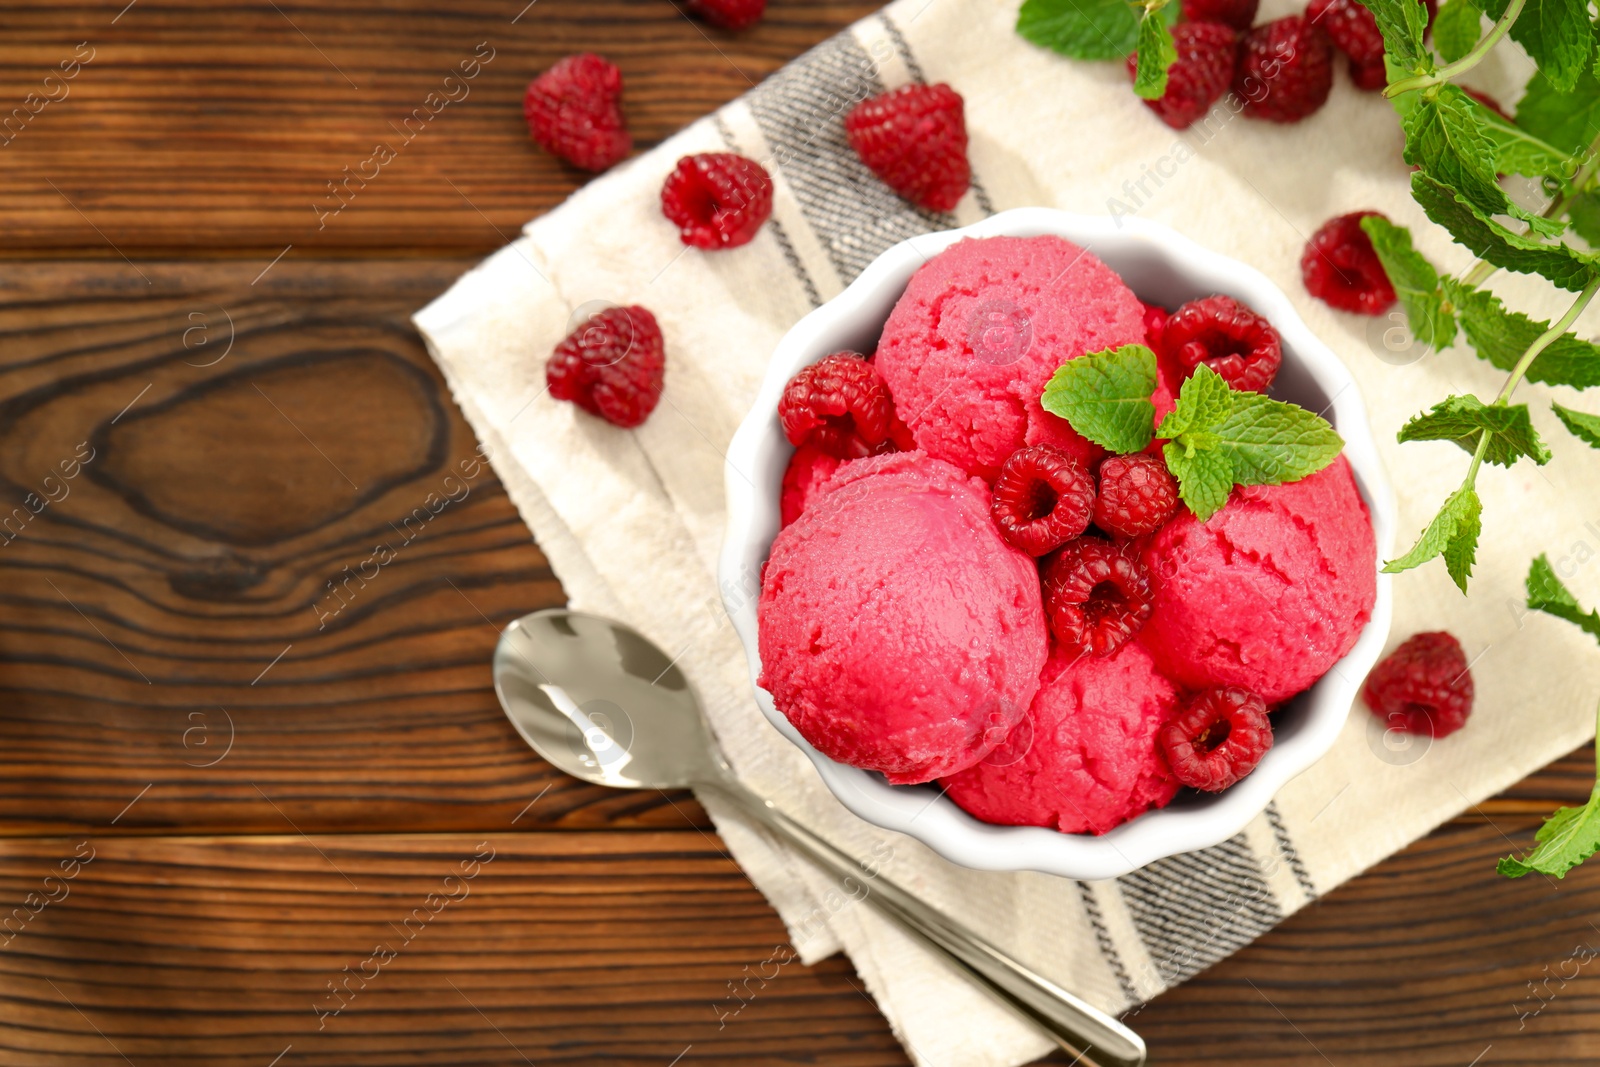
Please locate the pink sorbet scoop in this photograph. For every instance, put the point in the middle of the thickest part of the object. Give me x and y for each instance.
(898, 632)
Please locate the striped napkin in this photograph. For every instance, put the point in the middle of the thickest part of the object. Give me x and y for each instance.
(632, 521)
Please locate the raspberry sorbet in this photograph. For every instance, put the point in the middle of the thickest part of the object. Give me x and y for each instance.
(982, 326)
(1267, 594)
(1085, 756)
(898, 632)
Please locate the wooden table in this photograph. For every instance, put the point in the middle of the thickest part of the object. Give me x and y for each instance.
(249, 797)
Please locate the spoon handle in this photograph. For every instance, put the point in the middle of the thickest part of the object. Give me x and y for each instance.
(1075, 1025)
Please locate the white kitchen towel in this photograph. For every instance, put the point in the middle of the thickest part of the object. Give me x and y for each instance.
(632, 521)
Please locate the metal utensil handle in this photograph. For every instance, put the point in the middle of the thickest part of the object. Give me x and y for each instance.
(1075, 1025)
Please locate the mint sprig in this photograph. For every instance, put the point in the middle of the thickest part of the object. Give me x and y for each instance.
(1466, 419)
(1570, 835)
(1219, 437)
(1106, 396)
(1502, 337)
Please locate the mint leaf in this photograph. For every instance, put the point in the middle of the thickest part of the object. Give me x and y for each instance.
(1157, 52)
(1566, 839)
(1446, 138)
(1502, 336)
(1547, 594)
(1464, 420)
(1218, 437)
(1204, 400)
(1453, 533)
(1584, 427)
(1516, 151)
(1569, 117)
(1556, 34)
(1204, 478)
(1583, 211)
(1106, 396)
(1456, 29)
(1415, 280)
(1082, 29)
(1564, 266)
(1402, 23)
(1269, 442)
(1461, 551)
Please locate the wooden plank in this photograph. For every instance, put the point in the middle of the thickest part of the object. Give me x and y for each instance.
(619, 947)
(216, 129)
(201, 577)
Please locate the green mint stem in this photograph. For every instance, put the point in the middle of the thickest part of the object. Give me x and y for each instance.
(1478, 274)
(1477, 461)
(1466, 62)
(1547, 338)
(1515, 378)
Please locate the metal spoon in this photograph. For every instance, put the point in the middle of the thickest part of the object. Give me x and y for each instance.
(602, 703)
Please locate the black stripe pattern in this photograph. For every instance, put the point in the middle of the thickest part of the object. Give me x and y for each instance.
(800, 110)
(1280, 835)
(1108, 947)
(1194, 909)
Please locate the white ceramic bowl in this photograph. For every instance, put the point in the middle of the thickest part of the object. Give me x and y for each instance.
(1163, 267)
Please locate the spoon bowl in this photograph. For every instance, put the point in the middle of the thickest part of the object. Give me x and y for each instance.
(603, 703)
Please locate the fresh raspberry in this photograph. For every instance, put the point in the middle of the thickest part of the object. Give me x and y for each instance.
(1137, 495)
(841, 405)
(717, 199)
(1217, 738)
(915, 139)
(1226, 336)
(808, 468)
(1095, 596)
(1422, 687)
(1351, 27)
(729, 14)
(611, 366)
(1042, 499)
(1155, 321)
(1341, 269)
(1369, 76)
(1207, 53)
(574, 109)
(1285, 70)
(1239, 14)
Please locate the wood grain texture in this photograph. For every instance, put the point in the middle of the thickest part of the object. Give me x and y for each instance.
(210, 572)
(277, 752)
(198, 128)
(223, 950)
